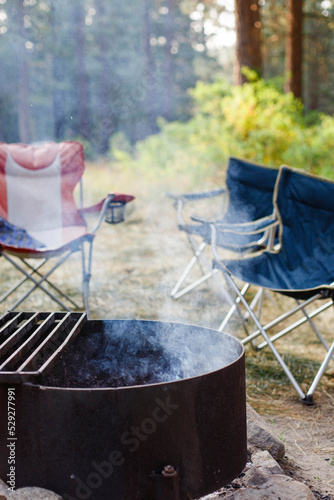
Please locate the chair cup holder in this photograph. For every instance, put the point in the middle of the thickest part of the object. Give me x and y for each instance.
(115, 212)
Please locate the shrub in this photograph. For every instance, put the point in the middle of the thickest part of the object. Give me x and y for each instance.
(255, 121)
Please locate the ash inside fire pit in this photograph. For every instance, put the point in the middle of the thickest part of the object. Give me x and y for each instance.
(106, 358)
(126, 353)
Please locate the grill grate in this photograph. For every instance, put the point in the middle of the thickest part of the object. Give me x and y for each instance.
(31, 342)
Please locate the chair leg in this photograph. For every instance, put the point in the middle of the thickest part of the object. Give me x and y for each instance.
(52, 285)
(256, 302)
(296, 324)
(212, 273)
(309, 395)
(176, 293)
(38, 283)
(266, 337)
(233, 308)
(281, 318)
(86, 275)
(314, 328)
(206, 269)
(22, 280)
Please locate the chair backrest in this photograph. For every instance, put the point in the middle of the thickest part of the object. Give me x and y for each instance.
(250, 187)
(37, 184)
(306, 211)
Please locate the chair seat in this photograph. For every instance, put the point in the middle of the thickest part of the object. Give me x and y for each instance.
(53, 242)
(228, 238)
(272, 271)
(56, 238)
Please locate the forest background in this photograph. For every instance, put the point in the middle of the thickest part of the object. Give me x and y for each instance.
(161, 93)
(164, 84)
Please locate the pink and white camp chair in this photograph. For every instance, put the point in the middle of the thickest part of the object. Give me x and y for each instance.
(39, 218)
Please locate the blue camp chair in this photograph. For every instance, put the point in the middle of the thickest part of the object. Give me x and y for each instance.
(247, 198)
(303, 268)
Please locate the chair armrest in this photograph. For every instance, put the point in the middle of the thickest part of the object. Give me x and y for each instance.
(204, 220)
(97, 207)
(250, 227)
(196, 196)
(101, 207)
(92, 209)
(180, 200)
(260, 234)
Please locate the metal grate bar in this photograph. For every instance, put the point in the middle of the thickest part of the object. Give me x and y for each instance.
(32, 360)
(15, 334)
(36, 344)
(10, 320)
(70, 337)
(8, 317)
(34, 336)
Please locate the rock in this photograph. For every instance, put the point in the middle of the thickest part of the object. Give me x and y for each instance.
(3, 490)
(260, 435)
(277, 487)
(213, 496)
(254, 477)
(33, 493)
(266, 462)
(3, 484)
(263, 478)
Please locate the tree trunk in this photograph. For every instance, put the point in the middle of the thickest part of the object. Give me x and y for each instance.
(58, 99)
(23, 83)
(313, 81)
(294, 48)
(169, 66)
(248, 31)
(81, 73)
(107, 122)
(149, 70)
(58, 94)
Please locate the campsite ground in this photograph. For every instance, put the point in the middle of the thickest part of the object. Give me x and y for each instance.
(134, 267)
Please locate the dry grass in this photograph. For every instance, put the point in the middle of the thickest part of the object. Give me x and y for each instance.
(135, 266)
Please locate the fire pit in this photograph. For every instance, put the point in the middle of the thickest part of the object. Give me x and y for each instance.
(120, 409)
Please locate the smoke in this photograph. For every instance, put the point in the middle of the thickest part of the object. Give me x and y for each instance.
(129, 352)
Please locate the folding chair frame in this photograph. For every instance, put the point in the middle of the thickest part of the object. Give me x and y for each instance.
(262, 330)
(269, 341)
(268, 237)
(197, 249)
(40, 218)
(39, 279)
(235, 165)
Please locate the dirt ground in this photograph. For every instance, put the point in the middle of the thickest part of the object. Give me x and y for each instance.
(135, 266)
(308, 436)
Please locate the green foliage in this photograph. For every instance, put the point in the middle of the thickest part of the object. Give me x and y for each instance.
(168, 153)
(255, 121)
